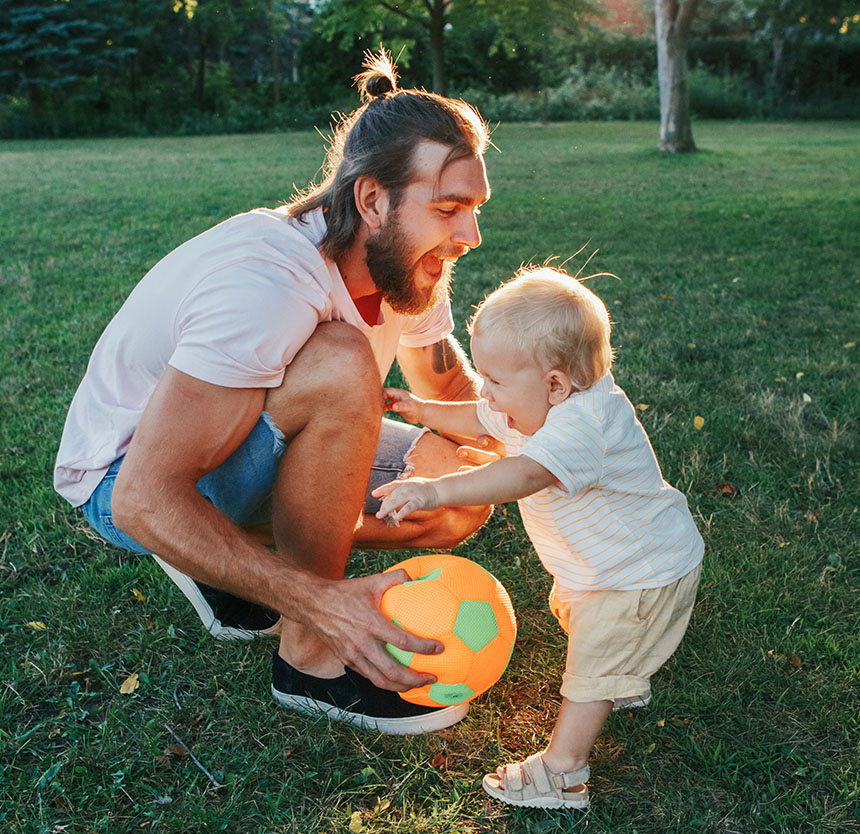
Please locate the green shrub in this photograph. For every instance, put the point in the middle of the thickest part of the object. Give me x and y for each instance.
(595, 94)
(715, 97)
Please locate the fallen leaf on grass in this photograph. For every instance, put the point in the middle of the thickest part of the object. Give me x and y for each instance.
(849, 345)
(37, 625)
(643, 407)
(725, 488)
(355, 823)
(138, 595)
(382, 805)
(698, 422)
(129, 684)
(175, 749)
(439, 759)
(795, 661)
(811, 517)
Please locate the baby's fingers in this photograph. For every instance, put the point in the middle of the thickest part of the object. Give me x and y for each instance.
(388, 507)
(384, 489)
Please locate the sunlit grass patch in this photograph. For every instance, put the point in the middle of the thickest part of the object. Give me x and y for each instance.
(736, 302)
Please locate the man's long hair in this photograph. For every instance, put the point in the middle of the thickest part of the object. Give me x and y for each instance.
(378, 140)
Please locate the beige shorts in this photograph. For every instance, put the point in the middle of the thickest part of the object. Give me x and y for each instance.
(618, 639)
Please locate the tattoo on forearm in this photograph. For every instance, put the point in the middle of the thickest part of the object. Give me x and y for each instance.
(444, 357)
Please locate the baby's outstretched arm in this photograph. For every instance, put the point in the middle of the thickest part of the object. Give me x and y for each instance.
(453, 419)
(402, 498)
(507, 479)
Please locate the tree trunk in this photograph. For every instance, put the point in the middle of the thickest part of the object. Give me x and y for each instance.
(777, 47)
(437, 49)
(672, 24)
(34, 99)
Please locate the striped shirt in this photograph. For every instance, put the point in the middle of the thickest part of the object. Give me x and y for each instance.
(613, 523)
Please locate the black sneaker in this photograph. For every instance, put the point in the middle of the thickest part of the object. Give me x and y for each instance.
(224, 616)
(354, 699)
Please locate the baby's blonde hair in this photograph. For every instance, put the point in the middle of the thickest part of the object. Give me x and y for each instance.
(551, 316)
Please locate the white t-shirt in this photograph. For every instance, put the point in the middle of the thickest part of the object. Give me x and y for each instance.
(614, 523)
(231, 307)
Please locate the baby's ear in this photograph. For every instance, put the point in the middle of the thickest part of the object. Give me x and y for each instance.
(560, 386)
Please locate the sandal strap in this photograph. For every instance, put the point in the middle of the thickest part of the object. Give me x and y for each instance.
(532, 777)
(571, 778)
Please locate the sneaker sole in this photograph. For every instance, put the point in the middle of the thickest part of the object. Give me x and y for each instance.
(210, 622)
(413, 725)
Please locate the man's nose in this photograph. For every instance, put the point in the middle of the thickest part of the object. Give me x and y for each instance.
(467, 232)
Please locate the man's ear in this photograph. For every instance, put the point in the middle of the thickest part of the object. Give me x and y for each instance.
(371, 201)
(560, 386)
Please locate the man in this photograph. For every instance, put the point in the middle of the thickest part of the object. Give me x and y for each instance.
(235, 401)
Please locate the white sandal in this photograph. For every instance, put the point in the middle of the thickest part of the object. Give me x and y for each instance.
(533, 785)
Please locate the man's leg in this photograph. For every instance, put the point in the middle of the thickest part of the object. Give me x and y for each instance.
(429, 457)
(329, 408)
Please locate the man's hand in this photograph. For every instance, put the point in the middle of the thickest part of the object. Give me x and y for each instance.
(402, 498)
(489, 450)
(345, 614)
(407, 405)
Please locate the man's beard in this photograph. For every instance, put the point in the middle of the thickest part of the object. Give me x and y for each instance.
(388, 261)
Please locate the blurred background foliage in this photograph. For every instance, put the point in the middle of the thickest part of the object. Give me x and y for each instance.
(149, 67)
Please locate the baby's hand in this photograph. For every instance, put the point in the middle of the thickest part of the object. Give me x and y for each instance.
(409, 406)
(402, 498)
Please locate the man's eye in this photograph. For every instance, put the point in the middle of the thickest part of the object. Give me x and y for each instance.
(446, 212)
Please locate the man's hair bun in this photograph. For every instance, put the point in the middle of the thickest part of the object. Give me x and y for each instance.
(379, 77)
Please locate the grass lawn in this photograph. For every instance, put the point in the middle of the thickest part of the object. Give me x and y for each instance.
(736, 301)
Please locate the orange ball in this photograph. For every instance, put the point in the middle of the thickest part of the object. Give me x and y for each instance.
(455, 601)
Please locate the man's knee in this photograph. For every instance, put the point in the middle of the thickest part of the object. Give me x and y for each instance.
(336, 351)
(335, 373)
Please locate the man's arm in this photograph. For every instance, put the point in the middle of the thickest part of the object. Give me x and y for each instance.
(442, 371)
(439, 371)
(188, 428)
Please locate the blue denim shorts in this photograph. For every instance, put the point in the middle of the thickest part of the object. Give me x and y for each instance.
(241, 487)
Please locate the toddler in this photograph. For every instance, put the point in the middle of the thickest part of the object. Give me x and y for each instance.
(618, 540)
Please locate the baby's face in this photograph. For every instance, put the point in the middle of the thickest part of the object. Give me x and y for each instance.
(513, 385)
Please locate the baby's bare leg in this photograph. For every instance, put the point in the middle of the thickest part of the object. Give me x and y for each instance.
(576, 730)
